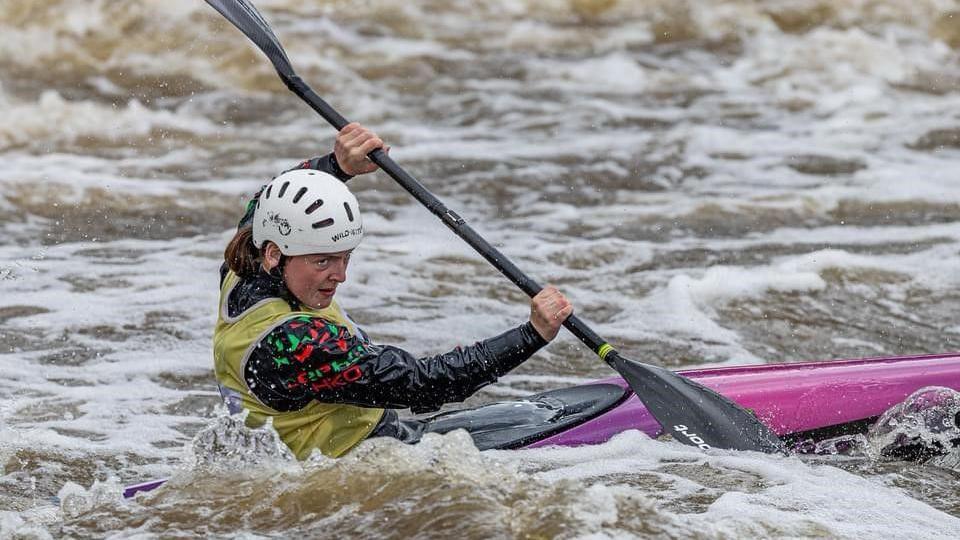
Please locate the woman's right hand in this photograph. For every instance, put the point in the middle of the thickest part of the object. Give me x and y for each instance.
(548, 309)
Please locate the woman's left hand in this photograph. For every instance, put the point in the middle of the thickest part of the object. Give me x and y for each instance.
(353, 144)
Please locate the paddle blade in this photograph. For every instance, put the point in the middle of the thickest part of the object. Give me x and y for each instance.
(694, 414)
(246, 17)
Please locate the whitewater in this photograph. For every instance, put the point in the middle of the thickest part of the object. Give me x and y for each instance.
(711, 182)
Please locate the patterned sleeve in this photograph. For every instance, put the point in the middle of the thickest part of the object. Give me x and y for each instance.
(308, 359)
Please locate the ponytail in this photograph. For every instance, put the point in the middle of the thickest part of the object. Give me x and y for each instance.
(241, 255)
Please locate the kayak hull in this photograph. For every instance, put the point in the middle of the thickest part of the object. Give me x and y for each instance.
(791, 399)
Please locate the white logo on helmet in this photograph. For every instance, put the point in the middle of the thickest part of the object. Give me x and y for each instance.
(283, 226)
(346, 234)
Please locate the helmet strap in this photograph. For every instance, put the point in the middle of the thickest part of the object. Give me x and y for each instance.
(277, 273)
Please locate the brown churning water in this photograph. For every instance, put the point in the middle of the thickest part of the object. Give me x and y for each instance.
(710, 181)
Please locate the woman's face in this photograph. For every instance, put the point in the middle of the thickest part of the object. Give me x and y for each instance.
(313, 279)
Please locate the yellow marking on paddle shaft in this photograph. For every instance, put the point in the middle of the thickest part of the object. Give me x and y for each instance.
(604, 350)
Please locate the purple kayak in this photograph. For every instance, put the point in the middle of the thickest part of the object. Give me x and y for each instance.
(800, 402)
(795, 400)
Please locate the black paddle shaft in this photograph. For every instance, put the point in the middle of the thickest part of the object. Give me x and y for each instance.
(691, 412)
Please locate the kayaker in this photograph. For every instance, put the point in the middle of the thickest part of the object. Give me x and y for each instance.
(285, 351)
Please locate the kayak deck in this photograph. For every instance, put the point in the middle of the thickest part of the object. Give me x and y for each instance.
(514, 424)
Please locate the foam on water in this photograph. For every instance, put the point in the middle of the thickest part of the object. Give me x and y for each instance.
(773, 496)
(57, 121)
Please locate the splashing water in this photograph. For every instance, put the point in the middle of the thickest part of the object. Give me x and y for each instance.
(228, 443)
(925, 425)
(922, 426)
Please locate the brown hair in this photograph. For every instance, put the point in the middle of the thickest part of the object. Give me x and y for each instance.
(241, 255)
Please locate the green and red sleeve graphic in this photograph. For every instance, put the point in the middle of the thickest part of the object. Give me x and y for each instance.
(302, 340)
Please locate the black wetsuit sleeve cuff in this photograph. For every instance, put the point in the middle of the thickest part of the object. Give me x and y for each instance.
(335, 168)
(513, 347)
(326, 163)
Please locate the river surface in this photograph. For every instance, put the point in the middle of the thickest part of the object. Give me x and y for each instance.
(711, 182)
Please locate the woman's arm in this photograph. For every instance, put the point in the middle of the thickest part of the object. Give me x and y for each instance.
(312, 359)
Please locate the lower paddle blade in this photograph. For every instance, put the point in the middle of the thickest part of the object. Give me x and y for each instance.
(694, 414)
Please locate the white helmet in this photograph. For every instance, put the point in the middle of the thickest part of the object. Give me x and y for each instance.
(306, 211)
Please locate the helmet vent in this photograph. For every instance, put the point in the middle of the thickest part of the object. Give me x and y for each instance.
(299, 195)
(283, 189)
(313, 207)
(349, 212)
(267, 194)
(325, 223)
